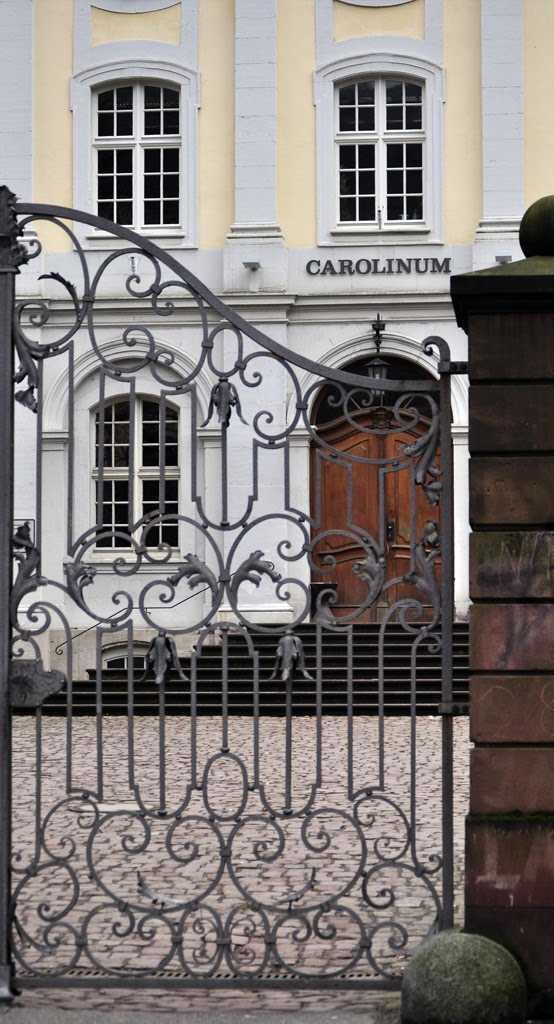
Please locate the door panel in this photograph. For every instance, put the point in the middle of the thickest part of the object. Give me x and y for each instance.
(360, 499)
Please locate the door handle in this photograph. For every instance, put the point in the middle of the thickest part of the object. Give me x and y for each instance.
(391, 530)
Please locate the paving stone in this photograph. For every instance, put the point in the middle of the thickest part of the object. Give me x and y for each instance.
(178, 860)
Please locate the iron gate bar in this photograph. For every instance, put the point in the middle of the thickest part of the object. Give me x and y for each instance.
(310, 910)
(11, 256)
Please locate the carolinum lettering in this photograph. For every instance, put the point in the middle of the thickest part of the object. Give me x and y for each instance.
(412, 265)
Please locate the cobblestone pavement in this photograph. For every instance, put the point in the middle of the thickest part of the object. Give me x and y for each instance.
(311, 861)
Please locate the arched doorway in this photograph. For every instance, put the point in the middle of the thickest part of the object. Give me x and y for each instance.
(370, 505)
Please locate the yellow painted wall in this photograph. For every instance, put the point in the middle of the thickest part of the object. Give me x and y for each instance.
(350, 21)
(463, 164)
(162, 26)
(216, 152)
(296, 148)
(538, 79)
(53, 152)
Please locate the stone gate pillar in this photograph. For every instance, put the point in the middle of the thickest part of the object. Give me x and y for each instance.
(508, 314)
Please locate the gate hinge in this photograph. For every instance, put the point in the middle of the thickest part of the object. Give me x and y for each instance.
(450, 707)
(452, 367)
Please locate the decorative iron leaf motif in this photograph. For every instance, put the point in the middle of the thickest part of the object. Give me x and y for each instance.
(196, 572)
(425, 554)
(79, 575)
(28, 558)
(251, 571)
(161, 657)
(223, 399)
(12, 253)
(371, 571)
(424, 450)
(30, 684)
(290, 660)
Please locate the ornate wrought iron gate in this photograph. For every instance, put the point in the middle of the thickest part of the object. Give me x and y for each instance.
(206, 849)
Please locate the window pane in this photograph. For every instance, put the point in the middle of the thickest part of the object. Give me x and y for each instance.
(124, 160)
(150, 411)
(105, 124)
(171, 98)
(171, 455)
(395, 155)
(347, 156)
(414, 207)
(394, 92)
(366, 119)
(366, 92)
(395, 119)
(367, 209)
(347, 95)
(105, 210)
(124, 213)
(413, 93)
(395, 208)
(150, 432)
(171, 122)
(152, 159)
(414, 182)
(171, 186)
(347, 183)
(150, 455)
(347, 119)
(367, 183)
(125, 98)
(366, 156)
(151, 212)
(105, 100)
(152, 122)
(150, 496)
(152, 186)
(124, 124)
(121, 455)
(124, 187)
(395, 182)
(105, 161)
(105, 188)
(413, 118)
(348, 209)
(171, 212)
(171, 159)
(414, 154)
(121, 411)
(152, 97)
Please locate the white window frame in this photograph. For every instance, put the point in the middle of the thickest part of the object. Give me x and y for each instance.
(85, 88)
(141, 473)
(327, 81)
(379, 138)
(137, 143)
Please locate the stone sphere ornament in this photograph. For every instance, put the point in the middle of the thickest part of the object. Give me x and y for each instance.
(536, 231)
(457, 978)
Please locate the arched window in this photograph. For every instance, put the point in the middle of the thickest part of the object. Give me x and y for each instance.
(380, 152)
(136, 470)
(137, 154)
(379, 149)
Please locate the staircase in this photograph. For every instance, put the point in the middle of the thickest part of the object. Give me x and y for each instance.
(365, 690)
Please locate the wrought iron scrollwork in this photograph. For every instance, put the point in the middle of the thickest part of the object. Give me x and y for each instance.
(295, 865)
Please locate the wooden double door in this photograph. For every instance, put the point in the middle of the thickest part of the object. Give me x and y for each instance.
(363, 485)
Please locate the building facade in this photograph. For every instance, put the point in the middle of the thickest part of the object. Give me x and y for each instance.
(314, 162)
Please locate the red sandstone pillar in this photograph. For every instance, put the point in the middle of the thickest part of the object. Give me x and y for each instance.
(508, 313)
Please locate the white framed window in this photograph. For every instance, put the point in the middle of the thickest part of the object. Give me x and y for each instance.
(135, 127)
(137, 154)
(136, 471)
(379, 150)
